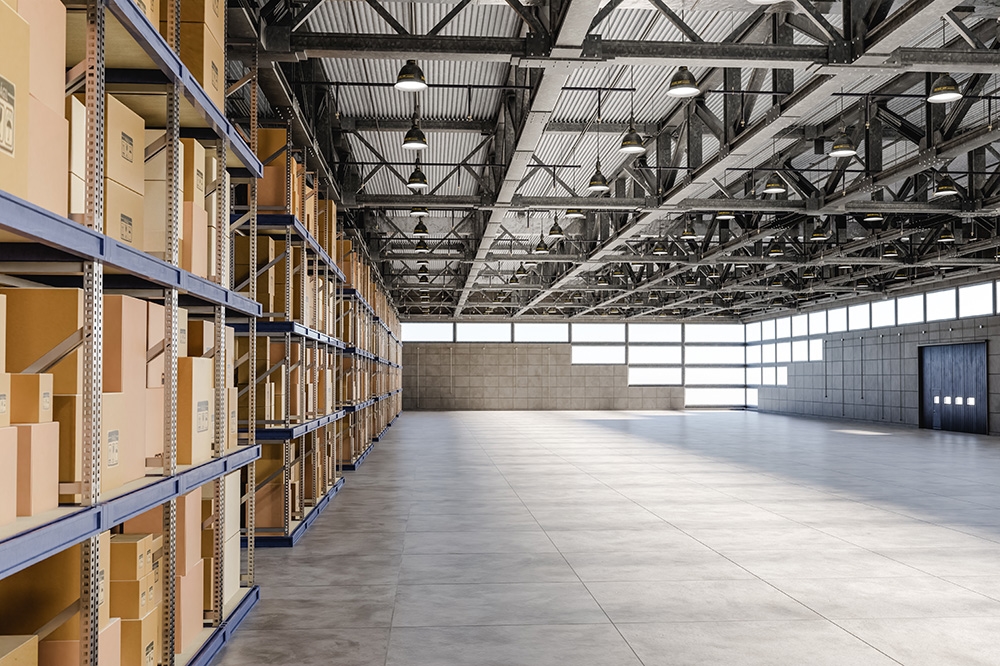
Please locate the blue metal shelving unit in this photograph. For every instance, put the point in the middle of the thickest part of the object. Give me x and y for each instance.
(282, 541)
(272, 223)
(280, 328)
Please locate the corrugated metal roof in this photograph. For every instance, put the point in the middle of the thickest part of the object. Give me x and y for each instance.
(354, 16)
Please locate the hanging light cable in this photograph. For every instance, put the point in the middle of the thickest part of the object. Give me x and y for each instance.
(598, 183)
(415, 138)
(632, 142)
(944, 88)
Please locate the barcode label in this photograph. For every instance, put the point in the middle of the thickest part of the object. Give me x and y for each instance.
(127, 148)
(8, 95)
(126, 231)
(203, 416)
(113, 448)
(46, 401)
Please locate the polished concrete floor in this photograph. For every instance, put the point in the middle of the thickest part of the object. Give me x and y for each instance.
(656, 538)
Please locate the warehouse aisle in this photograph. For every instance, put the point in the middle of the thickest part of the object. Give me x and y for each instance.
(617, 538)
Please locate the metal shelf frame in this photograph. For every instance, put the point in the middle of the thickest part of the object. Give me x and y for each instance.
(272, 224)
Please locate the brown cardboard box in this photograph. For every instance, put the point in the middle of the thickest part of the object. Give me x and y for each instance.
(151, 9)
(14, 108)
(37, 468)
(4, 399)
(188, 528)
(3, 333)
(201, 338)
(34, 596)
(124, 344)
(204, 56)
(123, 458)
(193, 172)
(232, 407)
(124, 148)
(189, 618)
(48, 134)
(131, 556)
(194, 410)
(154, 422)
(194, 245)
(76, 115)
(46, 317)
(47, 55)
(212, 189)
(209, 12)
(30, 398)
(77, 207)
(154, 341)
(155, 158)
(19, 650)
(231, 512)
(8, 475)
(230, 574)
(132, 599)
(141, 640)
(124, 212)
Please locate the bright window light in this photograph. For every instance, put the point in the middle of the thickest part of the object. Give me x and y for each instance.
(654, 376)
(859, 317)
(753, 376)
(768, 353)
(714, 333)
(884, 313)
(751, 397)
(767, 330)
(767, 376)
(783, 328)
(715, 397)
(817, 323)
(424, 332)
(654, 332)
(975, 300)
(598, 355)
(467, 332)
(541, 332)
(941, 305)
(800, 326)
(816, 349)
(716, 376)
(836, 320)
(654, 355)
(695, 355)
(784, 354)
(910, 309)
(753, 332)
(782, 375)
(598, 332)
(800, 350)
(753, 354)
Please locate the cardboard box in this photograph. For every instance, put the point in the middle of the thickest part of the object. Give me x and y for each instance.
(31, 398)
(47, 54)
(155, 158)
(188, 528)
(8, 475)
(131, 556)
(3, 333)
(155, 581)
(4, 399)
(141, 640)
(124, 145)
(195, 408)
(155, 326)
(212, 188)
(77, 207)
(133, 599)
(123, 458)
(14, 93)
(76, 115)
(201, 338)
(203, 54)
(34, 596)
(19, 650)
(189, 619)
(46, 317)
(209, 12)
(48, 138)
(194, 245)
(154, 422)
(232, 408)
(231, 512)
(124, 212)
(124, 344)
(37, 468)
(230, 574)
(151, 9)
(193, 172)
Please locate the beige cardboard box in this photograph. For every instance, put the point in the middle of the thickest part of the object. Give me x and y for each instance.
(124, 212)
(194, 410)
(141, 640)
(230, 574)
(231, 512)
(76, 114)
(193, 172)
(189, 619)
(5, 396)
(19, 650)
(194, 245)
(30, 398)
(67, 652)
(14, 107)
(8, 475)
(188, 528)
(212, 189)
(3, 333)
(203, 54)
(48, 135)
(46, 317)
(154, 341)
(155, 157)
(154, 422)
(151, 8)
(131, 556)
(201, 338)
(232, 407)
(124, 145)
(124, 344)
(34, 596)
(133, 599)
(47, 55)
(124, 454)
(209, 12)
(77, 198)
(37, 468)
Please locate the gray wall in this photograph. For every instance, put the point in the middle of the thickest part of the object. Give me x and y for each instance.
(885, 386)
(477, 376)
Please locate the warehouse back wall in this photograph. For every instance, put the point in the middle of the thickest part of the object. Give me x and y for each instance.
(477, 376)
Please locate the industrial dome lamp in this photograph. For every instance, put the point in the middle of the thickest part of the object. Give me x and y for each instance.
(843, 146)
(683, 84)
(946, 187)
(420, 229)
(419, 211)
(417, 180)
(410, 78)
(774, 184)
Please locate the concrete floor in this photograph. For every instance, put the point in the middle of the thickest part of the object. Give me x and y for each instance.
(619, 538)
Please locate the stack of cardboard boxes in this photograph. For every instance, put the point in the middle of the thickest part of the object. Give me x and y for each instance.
(203, 25)
(231, 550)
(136, 592)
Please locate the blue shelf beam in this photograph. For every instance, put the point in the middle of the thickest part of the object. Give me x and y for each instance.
(280, 328)
(26, 548)
(353, 467)
(223, 634)
(76, 242)
(296, 431)
(282, 541)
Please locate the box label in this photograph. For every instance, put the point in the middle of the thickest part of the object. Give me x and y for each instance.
(199, 180)
(8, 95)
(142, 6)
(100, 587)
(46, 401)
(215, 76)
(151, 654)
(128, 150)
(3, 403)
(203, 416)
(113, 448)
(126, 230)
(142, 599)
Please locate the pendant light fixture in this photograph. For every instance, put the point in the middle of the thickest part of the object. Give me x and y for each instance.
(513, 279)
(421, 247)
(944, 88)
(774, 184)
(946, 236)
(683, 84)
(410, 78)
(659, 249)
(688, 233)
(422, 270)
(818, 235)
(419, 211)
(843, 146)
(555, 231)
(777, 282)
(946, 187)
(417, 180)
(541, 248)
(632, 143)
(874, 218)
(777, 249)
(521, 271)
(725, 215)
(713, 273)
(415, 139)
(530, 263)
(598, 183)
(809, 273)
(691, 280)
(602, 281)
(420, 229)
(423, 279)
(890, 251)
(422, 262)
(575, 214)
(617, 272)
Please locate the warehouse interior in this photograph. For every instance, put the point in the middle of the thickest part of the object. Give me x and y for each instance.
(514, 332)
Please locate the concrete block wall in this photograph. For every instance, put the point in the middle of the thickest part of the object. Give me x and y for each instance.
(874, 375)
(484, 376)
